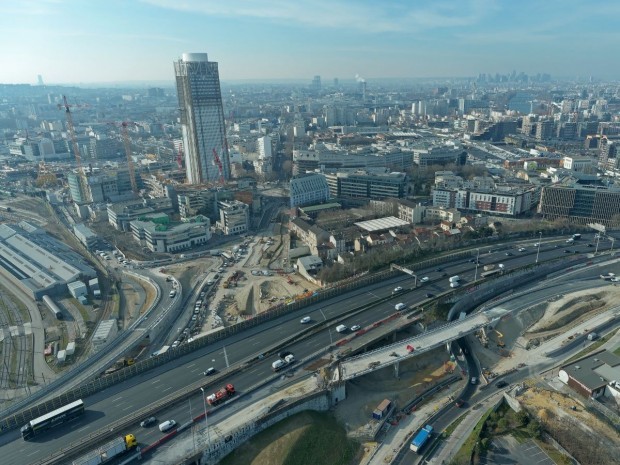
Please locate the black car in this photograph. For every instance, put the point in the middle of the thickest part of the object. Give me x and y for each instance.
(509, 254)
(590, 245)
(566, 251)
(438, 270)
(429, 295)
(501, 384)
(285, 353)
(459, 403)
(150, 421)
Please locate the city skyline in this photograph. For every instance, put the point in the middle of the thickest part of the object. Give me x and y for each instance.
(118, 41)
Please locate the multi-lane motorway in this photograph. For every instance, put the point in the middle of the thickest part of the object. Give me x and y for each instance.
(141, 391)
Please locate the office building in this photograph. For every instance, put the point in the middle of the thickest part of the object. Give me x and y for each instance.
(308, 189)
(158, 234)
(202, 119)
(234, 217)
(368, 185)
(581, 204)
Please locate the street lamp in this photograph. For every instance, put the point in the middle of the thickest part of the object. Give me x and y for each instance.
(539, 241)
(598, 238)
(477, 262)
(204, 402)
(611, 250)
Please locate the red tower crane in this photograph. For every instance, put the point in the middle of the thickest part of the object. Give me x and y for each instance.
(76, 148)
(218, 162)
(127, 144)
(180, 156)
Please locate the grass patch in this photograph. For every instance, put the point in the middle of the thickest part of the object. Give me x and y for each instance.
(307, 438)
(617, 351)
(85, 316)
(452, 426)
(465, 452)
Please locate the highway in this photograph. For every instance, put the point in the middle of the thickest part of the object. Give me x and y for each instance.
(121, 400)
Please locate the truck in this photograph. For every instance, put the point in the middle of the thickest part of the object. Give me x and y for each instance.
(488, 267)
(108, 451)
(221, 395)
(284, 361)
(454, 279)
(122, 363)
(421, 438)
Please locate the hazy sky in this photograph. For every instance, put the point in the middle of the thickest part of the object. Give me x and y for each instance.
(85, 41)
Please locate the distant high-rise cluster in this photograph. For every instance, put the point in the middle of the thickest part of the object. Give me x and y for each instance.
(202, 119)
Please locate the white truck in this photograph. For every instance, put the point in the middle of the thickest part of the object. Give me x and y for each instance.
(285, 360)
(454, 279)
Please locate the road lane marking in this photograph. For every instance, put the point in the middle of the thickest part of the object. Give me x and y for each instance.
(374, 295)
(189, 366)
(118, 398)
(197, 369)
(32, 453)
(127, 408)
(167, 389)
(156, 381)
(81, 429)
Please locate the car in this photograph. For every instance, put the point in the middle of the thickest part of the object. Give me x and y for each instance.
(474, 380)
(522, 249)
(424, 279)
(509, 254)
(575, 251)
(537, 244)
(429, 295)
(398, 289)
(444, 275)
(167, 425)
(285, 353)
(501, 384)
(150, 421)
(305, 320)
(459, 403)
(438, 270)
(356, 328)
(566, 251)
(209, 371)
(590, 245)
(176, 343)
(556, 246)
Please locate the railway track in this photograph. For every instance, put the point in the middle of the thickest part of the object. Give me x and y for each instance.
(15, 360)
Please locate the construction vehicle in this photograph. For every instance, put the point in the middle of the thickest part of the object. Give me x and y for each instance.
(107, 452)
(488, 267)
(119, 364)
(500, 339)
(221, 395)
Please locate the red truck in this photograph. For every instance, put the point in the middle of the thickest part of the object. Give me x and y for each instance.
(221, 395)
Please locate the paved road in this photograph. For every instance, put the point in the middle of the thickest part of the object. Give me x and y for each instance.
(119, 401)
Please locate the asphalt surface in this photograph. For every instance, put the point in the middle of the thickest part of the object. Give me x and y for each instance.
(121, 400)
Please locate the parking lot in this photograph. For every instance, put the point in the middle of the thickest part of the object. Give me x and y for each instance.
(508, 451)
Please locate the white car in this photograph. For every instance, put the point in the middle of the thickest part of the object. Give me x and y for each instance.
(167, 425)
(356, 328)
(398, 289)
(305, 320)
(424, 279)
(522, 249)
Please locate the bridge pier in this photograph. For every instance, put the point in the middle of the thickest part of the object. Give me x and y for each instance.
(396, 370)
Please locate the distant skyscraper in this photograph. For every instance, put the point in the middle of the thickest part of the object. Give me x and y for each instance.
(40, 80)
(202, 118)
(316, 83)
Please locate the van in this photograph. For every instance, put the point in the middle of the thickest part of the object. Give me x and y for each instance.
(341, 328)
(400, 306)
(167, 425)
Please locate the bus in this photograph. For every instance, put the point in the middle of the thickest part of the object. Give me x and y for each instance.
(52, 419)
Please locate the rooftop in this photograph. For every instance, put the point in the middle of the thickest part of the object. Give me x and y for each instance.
(381, 224)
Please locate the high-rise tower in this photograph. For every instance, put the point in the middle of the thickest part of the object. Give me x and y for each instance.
(202, 118)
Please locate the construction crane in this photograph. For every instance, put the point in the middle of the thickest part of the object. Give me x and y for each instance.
(130, 167)
(76, 148)
(218, 162)
(180, 157)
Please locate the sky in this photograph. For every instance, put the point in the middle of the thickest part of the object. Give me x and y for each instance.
(105, 41)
